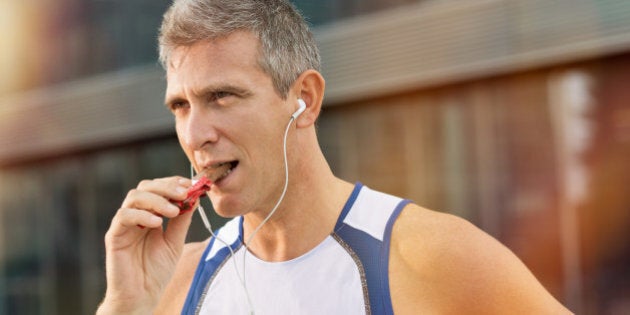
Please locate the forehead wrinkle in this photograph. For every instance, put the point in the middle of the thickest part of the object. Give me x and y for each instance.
(178, 56)
(224, 47)
(175, 92)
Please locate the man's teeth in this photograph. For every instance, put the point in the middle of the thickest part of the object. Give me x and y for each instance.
(226, 173)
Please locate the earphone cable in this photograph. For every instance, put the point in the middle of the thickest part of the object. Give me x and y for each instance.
(284, 191)
(206, 222)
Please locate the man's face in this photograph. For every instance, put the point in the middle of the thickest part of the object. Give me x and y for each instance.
(227, 110)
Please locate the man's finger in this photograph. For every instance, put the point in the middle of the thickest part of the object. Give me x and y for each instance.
(149, 201)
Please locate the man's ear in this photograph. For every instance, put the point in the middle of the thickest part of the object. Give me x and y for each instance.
(309, 87)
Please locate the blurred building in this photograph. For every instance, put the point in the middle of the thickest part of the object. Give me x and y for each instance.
(511, 113)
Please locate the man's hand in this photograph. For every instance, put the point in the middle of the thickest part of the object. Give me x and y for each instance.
(141, 260)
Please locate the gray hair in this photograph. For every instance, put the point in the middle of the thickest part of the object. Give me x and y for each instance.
(287, 47)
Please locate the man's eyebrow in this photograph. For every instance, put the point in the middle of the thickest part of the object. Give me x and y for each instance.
(213, 89)
(208, 91)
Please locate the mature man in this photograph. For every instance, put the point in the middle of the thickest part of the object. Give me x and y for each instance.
(245, 89)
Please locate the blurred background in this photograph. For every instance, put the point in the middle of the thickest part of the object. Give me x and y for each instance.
(514, 114)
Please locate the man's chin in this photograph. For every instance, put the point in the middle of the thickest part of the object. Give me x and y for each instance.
(222, 209)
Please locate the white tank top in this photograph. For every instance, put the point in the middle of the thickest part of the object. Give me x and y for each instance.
(347, 273)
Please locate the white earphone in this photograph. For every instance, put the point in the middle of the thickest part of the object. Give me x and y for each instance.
(300, 110)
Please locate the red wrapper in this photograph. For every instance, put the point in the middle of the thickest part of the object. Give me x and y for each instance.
(197, 190)
(202, 185)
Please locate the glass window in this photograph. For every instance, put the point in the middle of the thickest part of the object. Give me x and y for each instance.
(326, 11)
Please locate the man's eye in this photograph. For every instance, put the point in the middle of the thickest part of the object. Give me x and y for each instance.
(178, 105)
(221, 94)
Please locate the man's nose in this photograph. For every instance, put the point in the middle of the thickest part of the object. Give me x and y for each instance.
(198, 128)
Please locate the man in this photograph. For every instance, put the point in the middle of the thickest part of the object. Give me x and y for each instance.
(238, 73)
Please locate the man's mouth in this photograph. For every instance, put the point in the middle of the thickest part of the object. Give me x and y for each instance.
(222, 170)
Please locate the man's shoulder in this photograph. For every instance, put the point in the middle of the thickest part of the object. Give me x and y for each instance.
(429, 233)
(195, 249)
(187, 265)
(435, 242)
(176, 291)
(452, 265)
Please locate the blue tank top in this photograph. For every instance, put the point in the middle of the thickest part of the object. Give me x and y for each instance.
(345, 274)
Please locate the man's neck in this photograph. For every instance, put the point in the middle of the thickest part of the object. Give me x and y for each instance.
(305, 218)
